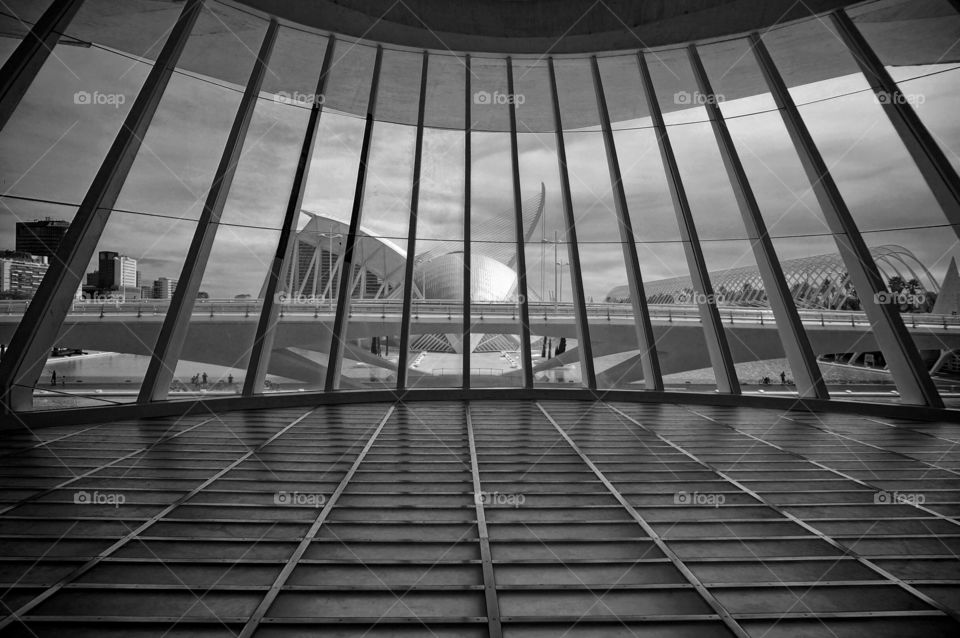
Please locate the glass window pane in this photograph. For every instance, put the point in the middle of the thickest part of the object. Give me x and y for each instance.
(917, 42)
(436, 325)
(380, 260)
(445, 92)
(495, 327)
(133, 27)
(554, 347)
(234, 280)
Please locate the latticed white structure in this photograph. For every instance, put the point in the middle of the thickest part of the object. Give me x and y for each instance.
(817, 282)
(314, 267)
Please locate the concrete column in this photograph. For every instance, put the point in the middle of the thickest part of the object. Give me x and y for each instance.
(907, 368)
(173, 333)
(335, 360)
(652, 378)
(286, 246)
(926, 153)
(803, 362)
(717, 346)
(37, 331)
(412, 232)
(585, 348)
(25, 62)
(521, 249)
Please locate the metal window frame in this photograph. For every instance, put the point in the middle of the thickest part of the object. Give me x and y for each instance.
(23, 65)
(412, 230)
(467, 236)
(525, 349)
(646, 340)
(270, 311)
(936, 169)
(716, 339)
(903, 359)
(585, 347)
(37, 332)
(173, 333)
(335, 358)
(796, 345)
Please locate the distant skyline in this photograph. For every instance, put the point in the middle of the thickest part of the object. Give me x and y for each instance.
(52, 147)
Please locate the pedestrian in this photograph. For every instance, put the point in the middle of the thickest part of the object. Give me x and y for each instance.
(783, 378)
(230, 379)
(53, 378)
(204, 378)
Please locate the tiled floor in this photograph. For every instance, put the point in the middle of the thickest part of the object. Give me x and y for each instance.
(590, 520)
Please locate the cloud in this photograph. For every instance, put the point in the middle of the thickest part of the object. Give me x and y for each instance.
(174, 169)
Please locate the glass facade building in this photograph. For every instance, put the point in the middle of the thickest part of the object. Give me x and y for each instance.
(768, 212)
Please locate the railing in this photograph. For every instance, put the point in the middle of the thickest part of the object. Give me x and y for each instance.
(477, 372)
(392, 308)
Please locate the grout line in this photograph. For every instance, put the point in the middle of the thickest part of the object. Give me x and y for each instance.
(846, 551)
(253, 622)
(16, 615)
(489, 580)
(692, 578)
(86, 474)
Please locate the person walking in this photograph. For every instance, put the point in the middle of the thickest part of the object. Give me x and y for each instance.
(204, 378)
(53, 378)
(783, 378)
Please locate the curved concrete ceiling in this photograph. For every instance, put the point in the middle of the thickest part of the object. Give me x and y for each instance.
(540, 26)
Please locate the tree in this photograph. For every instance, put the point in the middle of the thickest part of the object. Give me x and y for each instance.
(896, 284)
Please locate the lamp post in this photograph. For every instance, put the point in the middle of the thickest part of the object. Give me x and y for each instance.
(558, 267)
(330, 237)
(556, 242)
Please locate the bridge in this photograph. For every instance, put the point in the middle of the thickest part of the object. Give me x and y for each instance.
(222, 331)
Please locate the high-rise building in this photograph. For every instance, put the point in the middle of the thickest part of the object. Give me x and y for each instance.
(117, 271)
(163, 288)
(20, 273)
(41, 237)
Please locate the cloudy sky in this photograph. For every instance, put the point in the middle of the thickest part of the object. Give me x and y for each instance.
(52, 148)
